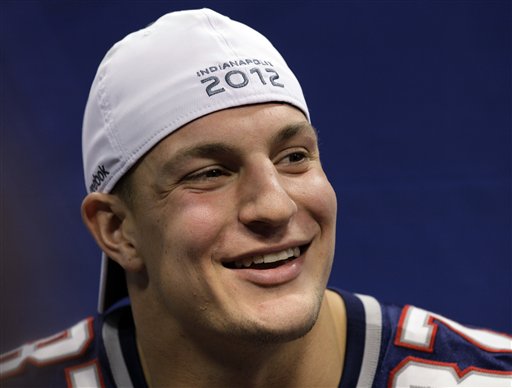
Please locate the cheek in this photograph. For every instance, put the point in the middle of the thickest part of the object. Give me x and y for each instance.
(321, 205)
(317, 196)
(193, 225)
(180, 243)
(327, 204)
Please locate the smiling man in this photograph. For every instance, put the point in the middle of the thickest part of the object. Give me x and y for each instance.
(227, 244)
(217, 226)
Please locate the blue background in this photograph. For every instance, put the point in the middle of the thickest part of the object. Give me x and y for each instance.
(413, 104)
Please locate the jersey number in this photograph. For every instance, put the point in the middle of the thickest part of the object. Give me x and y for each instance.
(66, 345)
(417, 330)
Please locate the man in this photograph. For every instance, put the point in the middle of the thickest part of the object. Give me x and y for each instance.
(209, 201)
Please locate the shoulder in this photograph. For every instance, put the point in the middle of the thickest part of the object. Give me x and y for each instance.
(410, 346)
(76, 357)
(424, 346)
(60, 359)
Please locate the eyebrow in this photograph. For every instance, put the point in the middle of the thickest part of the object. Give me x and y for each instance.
(291, 130)
(218, 149)
(207, 150)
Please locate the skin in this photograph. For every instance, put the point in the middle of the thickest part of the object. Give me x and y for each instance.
(227, 186)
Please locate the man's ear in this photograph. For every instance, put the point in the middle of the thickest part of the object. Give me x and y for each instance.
(111, 223)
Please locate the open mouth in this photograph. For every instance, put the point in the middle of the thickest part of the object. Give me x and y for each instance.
(269, 261)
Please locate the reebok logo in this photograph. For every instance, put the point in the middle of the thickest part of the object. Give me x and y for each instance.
(98, 177)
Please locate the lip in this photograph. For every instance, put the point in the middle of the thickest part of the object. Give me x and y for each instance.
(274, 276)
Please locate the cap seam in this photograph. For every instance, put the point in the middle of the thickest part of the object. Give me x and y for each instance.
(220, 34)
(106, 109)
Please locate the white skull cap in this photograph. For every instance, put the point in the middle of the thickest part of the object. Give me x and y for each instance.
(185, 65)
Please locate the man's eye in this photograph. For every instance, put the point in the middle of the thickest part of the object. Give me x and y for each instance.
(295, 162)
(296, 157)
(214, 173)
(206, 174)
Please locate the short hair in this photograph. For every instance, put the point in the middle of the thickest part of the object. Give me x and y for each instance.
(125, 189)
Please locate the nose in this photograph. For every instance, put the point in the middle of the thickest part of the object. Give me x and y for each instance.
(265, 203)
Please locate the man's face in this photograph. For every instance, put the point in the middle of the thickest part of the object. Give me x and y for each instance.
(235, 222)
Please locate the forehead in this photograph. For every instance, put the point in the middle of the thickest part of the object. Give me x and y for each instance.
(237, 127)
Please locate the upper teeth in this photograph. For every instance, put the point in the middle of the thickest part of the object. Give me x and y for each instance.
(270, 258)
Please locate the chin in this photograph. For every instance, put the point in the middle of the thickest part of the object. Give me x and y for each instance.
(288, 334)
(280, 324)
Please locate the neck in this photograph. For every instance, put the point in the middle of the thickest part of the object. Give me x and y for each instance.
(313, 360)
